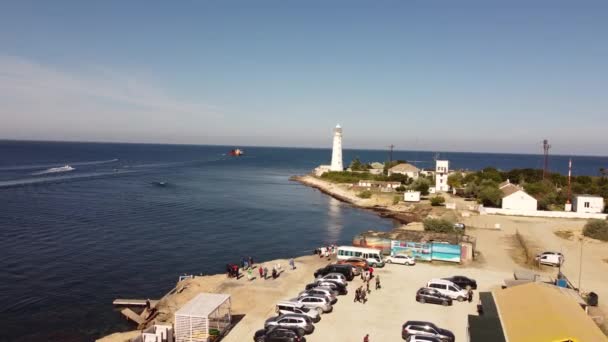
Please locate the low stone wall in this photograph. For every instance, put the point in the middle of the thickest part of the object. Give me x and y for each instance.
(540, 213)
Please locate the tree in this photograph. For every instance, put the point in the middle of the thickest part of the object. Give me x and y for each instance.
(422, 185)
(489, 196)
(437, 201)
(356, 165)
(455, 180)
(400, 188)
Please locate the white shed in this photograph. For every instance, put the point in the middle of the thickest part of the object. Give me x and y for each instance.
(588, 204)
(411, 196)
(515, 198)
(195, 321)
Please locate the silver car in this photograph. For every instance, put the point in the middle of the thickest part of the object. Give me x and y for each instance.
(320, 291)
(302, 323)
(319, 303)
(336, 277)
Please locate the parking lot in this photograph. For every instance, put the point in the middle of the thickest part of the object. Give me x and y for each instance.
(388, 308)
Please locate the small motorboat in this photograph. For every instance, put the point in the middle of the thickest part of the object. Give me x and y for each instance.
(236, 152)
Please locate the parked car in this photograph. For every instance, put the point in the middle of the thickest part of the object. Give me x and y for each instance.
(319, 303)
(335, 277)
(345, 270)
(302, 323)
(422, 328)
(463, 282)
(550, 258)
(285, 307)
(359, 263)
(420, 338)
(448, 288)
(429, 295)
(319, 291)
(460, 226)
(277, 334)
(401, 259)
(339, 288)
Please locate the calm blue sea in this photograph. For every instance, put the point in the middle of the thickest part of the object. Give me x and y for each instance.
(72, 241)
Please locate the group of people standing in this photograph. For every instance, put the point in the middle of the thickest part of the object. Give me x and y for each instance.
(326, 251)
(232, 270)
(361, 293)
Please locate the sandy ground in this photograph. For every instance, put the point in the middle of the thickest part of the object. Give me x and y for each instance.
(539, 234)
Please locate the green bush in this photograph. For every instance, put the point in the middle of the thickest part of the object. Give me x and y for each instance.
(396, 199)
(438, 225)
(437, 201)
(596, 229)
(365, 194)
(401, 188)
(489, 196)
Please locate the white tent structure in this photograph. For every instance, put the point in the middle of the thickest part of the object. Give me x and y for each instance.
(202, 313)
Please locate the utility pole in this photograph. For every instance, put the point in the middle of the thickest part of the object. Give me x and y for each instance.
(580, 265)
(546, 148)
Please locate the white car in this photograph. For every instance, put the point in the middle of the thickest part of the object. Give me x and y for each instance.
(401, 259)
(448, 288)
(337, 277)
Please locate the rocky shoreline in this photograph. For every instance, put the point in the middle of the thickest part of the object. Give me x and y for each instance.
(404, 214)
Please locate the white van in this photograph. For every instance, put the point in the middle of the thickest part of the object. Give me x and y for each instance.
(373, 256)
(550, 258)
(448, 288)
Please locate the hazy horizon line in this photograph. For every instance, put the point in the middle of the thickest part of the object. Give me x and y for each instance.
(294, 147)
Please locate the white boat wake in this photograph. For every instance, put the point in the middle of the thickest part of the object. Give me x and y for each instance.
(66, 168)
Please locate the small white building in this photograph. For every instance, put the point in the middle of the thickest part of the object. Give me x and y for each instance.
(203, 314)
(588, 204)
(383, 186)
(411, 196)
(376, 168)
(442, 169)
(321, 169)
(405, 169)
(515, 198)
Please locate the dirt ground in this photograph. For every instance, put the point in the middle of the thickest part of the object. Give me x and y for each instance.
(540, 235)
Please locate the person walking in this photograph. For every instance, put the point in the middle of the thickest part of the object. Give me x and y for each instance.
(357, 294)
(367, 286)
(250, 262)
(371, 272)
(366, 338)
(249, 274)
(363, 296)
(265, 272)
(292, 264)
(378, 283)
(470, 295)
(261, 271)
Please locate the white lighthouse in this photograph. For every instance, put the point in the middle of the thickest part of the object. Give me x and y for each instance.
(336, 153)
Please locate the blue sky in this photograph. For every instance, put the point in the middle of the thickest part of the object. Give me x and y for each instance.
(423, 75)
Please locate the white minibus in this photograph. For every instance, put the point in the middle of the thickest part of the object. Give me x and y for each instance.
(373, 256)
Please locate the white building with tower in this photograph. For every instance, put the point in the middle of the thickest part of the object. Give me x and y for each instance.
(336, 153)
(442, 169)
